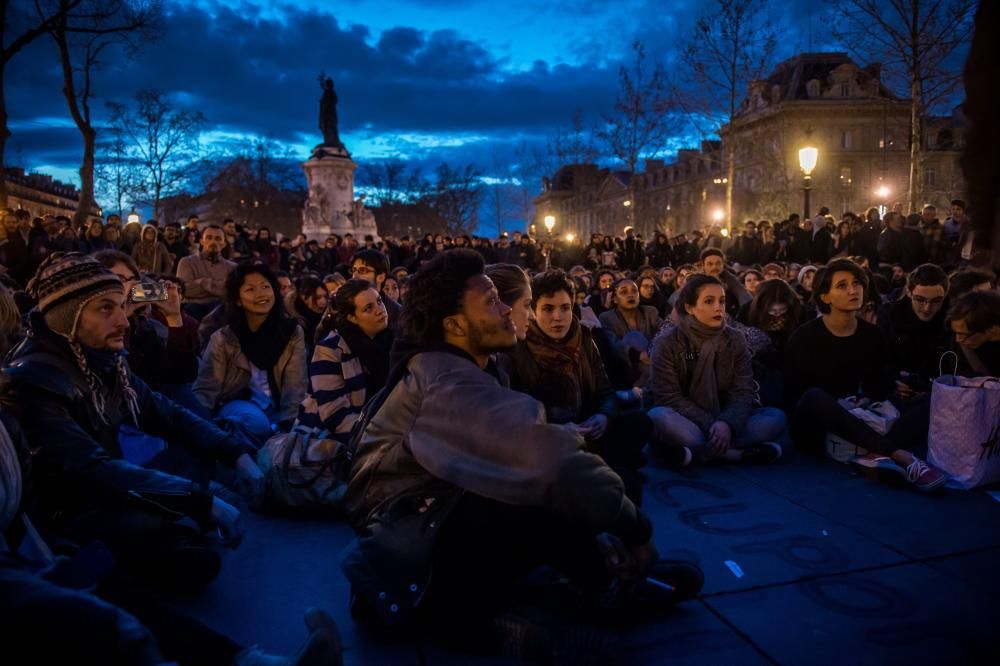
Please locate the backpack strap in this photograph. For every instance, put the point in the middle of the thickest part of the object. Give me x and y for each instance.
(345, 454)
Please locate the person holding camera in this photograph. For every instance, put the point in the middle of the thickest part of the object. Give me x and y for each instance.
(70, 387)
(162, 341)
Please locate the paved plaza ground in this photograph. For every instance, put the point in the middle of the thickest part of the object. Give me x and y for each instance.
(806, 562)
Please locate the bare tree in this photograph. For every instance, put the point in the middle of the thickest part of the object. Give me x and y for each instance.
(915, 41)
(455, 196)
(502, 192)
(258, 186)
(531, 165)
(18, 28)
(732, 44)
(163, 139)
(640, 122)
(82, 33)
(117, 173)
(387, 179)
(574, 145)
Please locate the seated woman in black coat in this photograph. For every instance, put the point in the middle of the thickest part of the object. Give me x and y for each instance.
(777, 311)
(558, 364)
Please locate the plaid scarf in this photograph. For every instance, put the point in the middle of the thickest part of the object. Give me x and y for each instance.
(558, 387)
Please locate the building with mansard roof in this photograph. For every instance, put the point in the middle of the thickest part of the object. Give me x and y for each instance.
(859, 126)
(42, 195)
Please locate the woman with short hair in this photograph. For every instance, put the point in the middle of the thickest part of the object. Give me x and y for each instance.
(558, 363)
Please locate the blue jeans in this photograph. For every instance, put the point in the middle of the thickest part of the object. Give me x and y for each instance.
(250, 418)
(766, 424)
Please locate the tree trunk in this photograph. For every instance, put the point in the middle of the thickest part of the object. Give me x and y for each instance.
(86, 178)
(915, 145)
(730, 174)
(4, 135)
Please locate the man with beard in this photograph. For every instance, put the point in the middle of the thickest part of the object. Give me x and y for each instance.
(455, 473)
(204, 274)
(71, 389)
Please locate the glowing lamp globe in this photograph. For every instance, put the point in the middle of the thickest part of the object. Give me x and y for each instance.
(807, 159)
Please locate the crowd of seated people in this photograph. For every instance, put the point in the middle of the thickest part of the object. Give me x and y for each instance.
(502, 393)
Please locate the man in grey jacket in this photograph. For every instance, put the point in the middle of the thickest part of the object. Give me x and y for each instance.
(459, 475)
(204, 275)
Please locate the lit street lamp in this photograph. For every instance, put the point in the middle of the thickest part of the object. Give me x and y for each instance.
(718, 215)
(807, 161)
(883, 194)
(550, 222)
(570, 238)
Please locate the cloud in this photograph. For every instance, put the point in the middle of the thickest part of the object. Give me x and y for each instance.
(254, 73)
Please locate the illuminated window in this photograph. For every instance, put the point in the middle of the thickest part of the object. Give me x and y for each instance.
(846, 179)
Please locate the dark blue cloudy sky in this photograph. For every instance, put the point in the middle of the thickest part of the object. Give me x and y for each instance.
(422, 80)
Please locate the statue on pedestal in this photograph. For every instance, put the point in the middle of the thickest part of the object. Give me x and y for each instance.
(328, 114)
(331, 206)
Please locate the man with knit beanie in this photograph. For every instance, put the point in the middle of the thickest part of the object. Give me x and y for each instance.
(69, 385)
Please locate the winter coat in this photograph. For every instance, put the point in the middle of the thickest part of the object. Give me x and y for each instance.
(649, 322)
(423, 448)
(673, 364)
(225, 374)
(151, 256)
(338, 388)
(78, 464)
(597, 393)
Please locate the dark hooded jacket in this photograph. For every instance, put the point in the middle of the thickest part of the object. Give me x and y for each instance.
(78, 463)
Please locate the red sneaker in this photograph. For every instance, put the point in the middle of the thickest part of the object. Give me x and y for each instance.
(923, 476)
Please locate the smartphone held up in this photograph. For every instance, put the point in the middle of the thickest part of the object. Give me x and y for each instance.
(148, 292)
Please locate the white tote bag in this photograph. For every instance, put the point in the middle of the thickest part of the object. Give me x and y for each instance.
(964, 437)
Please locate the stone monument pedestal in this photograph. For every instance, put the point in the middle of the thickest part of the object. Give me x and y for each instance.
(331, 207)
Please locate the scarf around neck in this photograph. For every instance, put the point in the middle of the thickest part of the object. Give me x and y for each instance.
(559, 386)
(373, 353)
(264, 346)
(706, 341)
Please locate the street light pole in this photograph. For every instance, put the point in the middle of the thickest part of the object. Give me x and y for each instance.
(806, 188)
(808, 156)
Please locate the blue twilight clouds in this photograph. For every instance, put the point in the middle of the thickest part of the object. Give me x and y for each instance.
(420, 80)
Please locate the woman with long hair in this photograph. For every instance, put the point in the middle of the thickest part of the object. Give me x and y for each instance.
(777, 311)
(253, 371)
(265, 248)
(93, 239)
(651, 294)
(514, 288)
(702, 384)
(350, 364)
(308, 306)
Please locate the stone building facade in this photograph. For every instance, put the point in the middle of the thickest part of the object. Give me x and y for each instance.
(41, 195)
(859, 126)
